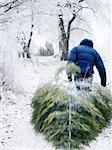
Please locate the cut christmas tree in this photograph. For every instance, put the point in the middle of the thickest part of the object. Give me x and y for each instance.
(67, 121)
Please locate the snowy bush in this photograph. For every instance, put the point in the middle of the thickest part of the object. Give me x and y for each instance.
(67, 121)
(9, 61)
(47, 51)
(6, 76)
(42, 51)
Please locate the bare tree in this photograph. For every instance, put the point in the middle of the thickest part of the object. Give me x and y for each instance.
(75, 8)
(8, 13)
(27, 48)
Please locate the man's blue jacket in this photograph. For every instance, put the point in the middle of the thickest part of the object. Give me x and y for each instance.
(86, 58)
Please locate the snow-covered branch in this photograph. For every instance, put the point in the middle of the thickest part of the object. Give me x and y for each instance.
(10, 5)
(81, 29)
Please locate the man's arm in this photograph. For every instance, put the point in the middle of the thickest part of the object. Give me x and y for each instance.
(101, 69)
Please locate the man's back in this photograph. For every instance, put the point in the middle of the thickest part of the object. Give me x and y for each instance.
(86, 57)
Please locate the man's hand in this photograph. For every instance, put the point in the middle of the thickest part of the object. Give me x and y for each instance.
(70, 78)
(103, 84)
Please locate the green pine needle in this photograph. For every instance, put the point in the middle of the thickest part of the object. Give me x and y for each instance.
(70, 127)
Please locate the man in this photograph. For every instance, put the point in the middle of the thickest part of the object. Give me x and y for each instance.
(86, 58)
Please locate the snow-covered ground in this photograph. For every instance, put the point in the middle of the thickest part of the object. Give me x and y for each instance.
(16, 130)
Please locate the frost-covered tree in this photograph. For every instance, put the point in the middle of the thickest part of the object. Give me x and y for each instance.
(70, 11)
(74, 11)
(16, 25)
(19, 13)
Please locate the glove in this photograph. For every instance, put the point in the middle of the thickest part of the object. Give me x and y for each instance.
(70, 78)
(103, 84)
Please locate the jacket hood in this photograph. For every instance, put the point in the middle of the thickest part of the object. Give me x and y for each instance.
(87, 42)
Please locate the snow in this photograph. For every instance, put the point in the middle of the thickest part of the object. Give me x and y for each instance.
(25, 76)
(16, 130)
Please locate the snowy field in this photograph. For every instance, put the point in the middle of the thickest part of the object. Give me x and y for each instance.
(16, 131)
